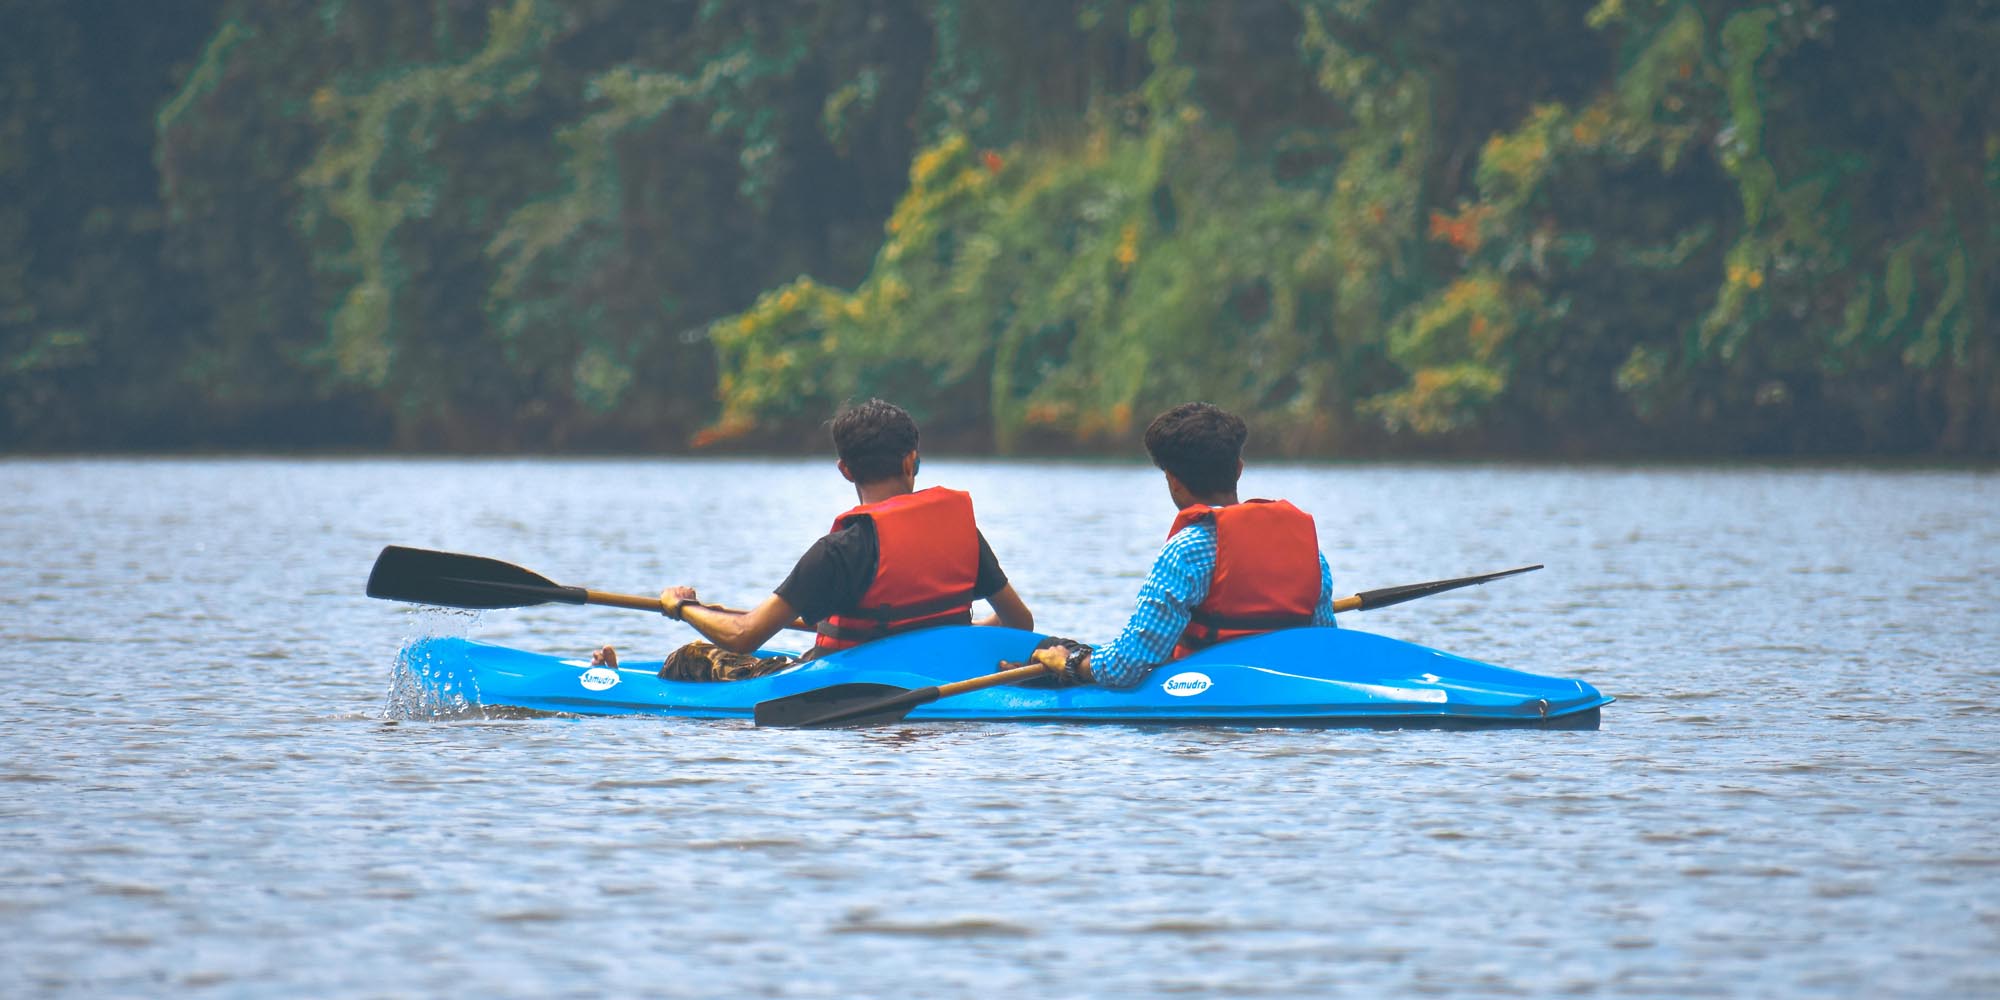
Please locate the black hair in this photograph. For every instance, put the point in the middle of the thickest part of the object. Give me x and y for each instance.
(1201, 444)
(872, 438)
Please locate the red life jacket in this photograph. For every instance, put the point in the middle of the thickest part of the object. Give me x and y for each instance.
(926, 568)
(1266, 572)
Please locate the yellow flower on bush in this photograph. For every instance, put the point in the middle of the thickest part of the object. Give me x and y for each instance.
(1121, 418)
(1045, 414)
(1749, 277)
(936, 158)
(1518, 158)
(1461, 230)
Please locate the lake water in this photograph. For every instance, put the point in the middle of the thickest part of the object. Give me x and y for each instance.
(204, 793)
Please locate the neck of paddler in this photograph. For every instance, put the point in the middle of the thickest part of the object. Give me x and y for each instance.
(1184, 498)
(904, 481)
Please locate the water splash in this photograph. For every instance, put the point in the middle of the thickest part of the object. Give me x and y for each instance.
(425, 686)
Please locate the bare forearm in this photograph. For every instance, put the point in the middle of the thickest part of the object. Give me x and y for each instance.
(724, 628)
(738, 631)
(1009, 610)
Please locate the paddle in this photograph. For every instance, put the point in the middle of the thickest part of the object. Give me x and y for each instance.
(451, 580)
(876, 704)
(1369, 600)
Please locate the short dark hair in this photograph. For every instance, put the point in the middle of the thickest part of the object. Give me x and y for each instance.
(872, 438)
(1201, 444)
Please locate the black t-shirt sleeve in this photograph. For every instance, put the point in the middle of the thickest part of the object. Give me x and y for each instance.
(834, 573)
(991, 579)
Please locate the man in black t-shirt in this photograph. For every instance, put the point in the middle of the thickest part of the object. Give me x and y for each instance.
(833, 575)
(840, 585)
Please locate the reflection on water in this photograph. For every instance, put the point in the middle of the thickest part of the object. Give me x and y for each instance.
(1793, 795)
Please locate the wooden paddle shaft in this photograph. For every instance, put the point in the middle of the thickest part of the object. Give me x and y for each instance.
(657, 606)
(992, 680)
(632, 601)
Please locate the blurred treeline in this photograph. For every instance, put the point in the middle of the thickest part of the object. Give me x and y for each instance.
(1373, 226)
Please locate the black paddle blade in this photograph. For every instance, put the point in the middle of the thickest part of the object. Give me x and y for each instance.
(451, 580)
(842, 705)
(1410, 592)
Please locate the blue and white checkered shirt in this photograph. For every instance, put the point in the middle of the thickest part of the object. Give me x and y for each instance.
(1177, 583)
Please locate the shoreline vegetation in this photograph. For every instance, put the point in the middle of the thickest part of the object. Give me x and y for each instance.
(1599, 231)
(1134, 460)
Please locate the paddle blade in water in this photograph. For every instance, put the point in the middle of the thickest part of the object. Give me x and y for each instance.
(452, 580)
(842, 705)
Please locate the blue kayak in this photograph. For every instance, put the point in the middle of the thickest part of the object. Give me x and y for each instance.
(1295, 677)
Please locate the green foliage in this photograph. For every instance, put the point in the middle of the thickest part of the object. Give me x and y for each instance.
(1619, 225)
(1456, 347)
(509, 218)
(1688, 243)
(1823, 289)
(374, 171)
(93, 327)
(1052, 293)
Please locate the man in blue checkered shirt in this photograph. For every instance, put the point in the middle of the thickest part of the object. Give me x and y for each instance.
(1229, 569)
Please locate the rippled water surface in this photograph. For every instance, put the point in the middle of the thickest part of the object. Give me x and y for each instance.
(203, 792)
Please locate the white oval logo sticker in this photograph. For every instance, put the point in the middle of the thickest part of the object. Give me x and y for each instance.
(599, 678)
(1184, 685)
